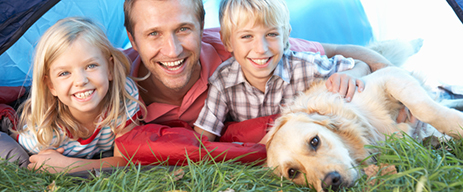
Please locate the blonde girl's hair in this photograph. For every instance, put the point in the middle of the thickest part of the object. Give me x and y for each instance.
(44, 114)
(235, 14)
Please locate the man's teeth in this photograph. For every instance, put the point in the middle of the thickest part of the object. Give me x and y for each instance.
(84, 94)
(173, 65)
(260, 61)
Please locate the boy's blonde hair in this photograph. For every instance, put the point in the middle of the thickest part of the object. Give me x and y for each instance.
(237, 13)
(45, 114)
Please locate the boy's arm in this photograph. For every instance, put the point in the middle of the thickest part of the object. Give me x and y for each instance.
(210, 136)
(374, 60)
(346, 82)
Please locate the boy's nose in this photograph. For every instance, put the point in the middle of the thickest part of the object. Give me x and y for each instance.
(261, 46)
(171, 47)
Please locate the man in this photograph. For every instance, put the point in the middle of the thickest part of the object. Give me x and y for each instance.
(176, 57)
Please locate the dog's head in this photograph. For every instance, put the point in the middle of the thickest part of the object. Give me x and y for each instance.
(314, 150)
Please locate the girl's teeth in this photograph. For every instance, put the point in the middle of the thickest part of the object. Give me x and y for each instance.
(84, 94)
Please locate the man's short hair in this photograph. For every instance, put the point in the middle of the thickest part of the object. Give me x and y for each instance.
(128, 6)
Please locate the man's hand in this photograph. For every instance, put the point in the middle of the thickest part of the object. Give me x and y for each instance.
(345, 85)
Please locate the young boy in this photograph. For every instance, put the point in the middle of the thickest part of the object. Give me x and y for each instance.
(263, 73)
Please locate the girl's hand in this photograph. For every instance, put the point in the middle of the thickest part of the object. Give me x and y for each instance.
(52, 160)
(344, 84)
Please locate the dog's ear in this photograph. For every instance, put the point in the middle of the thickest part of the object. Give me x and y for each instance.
(279, 122)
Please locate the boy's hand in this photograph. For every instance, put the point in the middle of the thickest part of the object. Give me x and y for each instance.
(344, 84)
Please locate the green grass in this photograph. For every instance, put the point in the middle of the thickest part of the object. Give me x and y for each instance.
(420, 168)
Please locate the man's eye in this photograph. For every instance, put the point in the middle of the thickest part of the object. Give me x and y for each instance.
(153, 34)
(183, 29)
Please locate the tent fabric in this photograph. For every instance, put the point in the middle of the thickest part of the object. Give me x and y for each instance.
(16, 61)
(457, 8)
(18, 17)
(321, 23)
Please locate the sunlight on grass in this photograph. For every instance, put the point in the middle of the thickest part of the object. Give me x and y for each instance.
(419, 168)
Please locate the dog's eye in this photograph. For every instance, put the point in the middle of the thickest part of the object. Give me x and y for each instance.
(315, 142)
(293, 173)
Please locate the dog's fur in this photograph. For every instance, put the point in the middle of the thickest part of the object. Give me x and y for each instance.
(319, 139)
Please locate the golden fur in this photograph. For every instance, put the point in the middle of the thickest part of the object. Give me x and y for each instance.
(319, 139)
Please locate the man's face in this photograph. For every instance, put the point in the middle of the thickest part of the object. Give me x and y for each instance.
(167, 35)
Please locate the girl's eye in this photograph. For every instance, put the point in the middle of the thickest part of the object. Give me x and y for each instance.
(91, 66)
(63, 74)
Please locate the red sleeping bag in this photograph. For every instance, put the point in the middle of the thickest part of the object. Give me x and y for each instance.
(175, 141)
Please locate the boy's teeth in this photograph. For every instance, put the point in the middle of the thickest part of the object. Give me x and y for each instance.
(84, 94)
(260, 61)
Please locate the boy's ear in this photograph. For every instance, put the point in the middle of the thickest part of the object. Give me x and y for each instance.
(110, 68)
(131, 39)
(50, 86)
(227, 46)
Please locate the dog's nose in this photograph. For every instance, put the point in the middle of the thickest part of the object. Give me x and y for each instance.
(332, 180)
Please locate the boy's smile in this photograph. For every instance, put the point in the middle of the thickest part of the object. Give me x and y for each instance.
(258, 49)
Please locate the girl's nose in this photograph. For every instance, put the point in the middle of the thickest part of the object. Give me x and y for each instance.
(81, 79)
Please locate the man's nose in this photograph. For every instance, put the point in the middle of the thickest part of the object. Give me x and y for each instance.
(172, 46)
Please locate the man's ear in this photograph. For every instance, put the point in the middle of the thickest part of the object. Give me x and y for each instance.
(50, 86)
(132, 40)
(110, 68)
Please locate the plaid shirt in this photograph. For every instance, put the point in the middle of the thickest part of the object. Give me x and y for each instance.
(231, 97)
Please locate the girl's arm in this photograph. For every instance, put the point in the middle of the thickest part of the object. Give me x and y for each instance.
(54, 161)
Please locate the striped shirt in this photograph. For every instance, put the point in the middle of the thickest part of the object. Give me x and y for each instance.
(101, 140)
(232, 98)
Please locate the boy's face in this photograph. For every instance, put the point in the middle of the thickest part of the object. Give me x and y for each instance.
(258, 49)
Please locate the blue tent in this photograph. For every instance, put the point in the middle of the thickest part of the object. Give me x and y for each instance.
(22, 23)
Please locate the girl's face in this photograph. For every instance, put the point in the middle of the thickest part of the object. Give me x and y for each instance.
(80, 77)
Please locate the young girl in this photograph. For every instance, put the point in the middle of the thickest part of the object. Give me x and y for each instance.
(80, 101)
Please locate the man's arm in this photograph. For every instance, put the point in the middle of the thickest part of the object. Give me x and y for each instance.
(374, 60)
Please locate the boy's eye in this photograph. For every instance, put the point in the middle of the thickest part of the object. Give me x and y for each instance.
(272, 34)
(246, 37)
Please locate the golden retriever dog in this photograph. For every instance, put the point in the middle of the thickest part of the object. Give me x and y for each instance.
(319, 138)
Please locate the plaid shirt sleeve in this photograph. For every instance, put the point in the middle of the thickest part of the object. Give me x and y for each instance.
(213, 114)
(342, 63)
